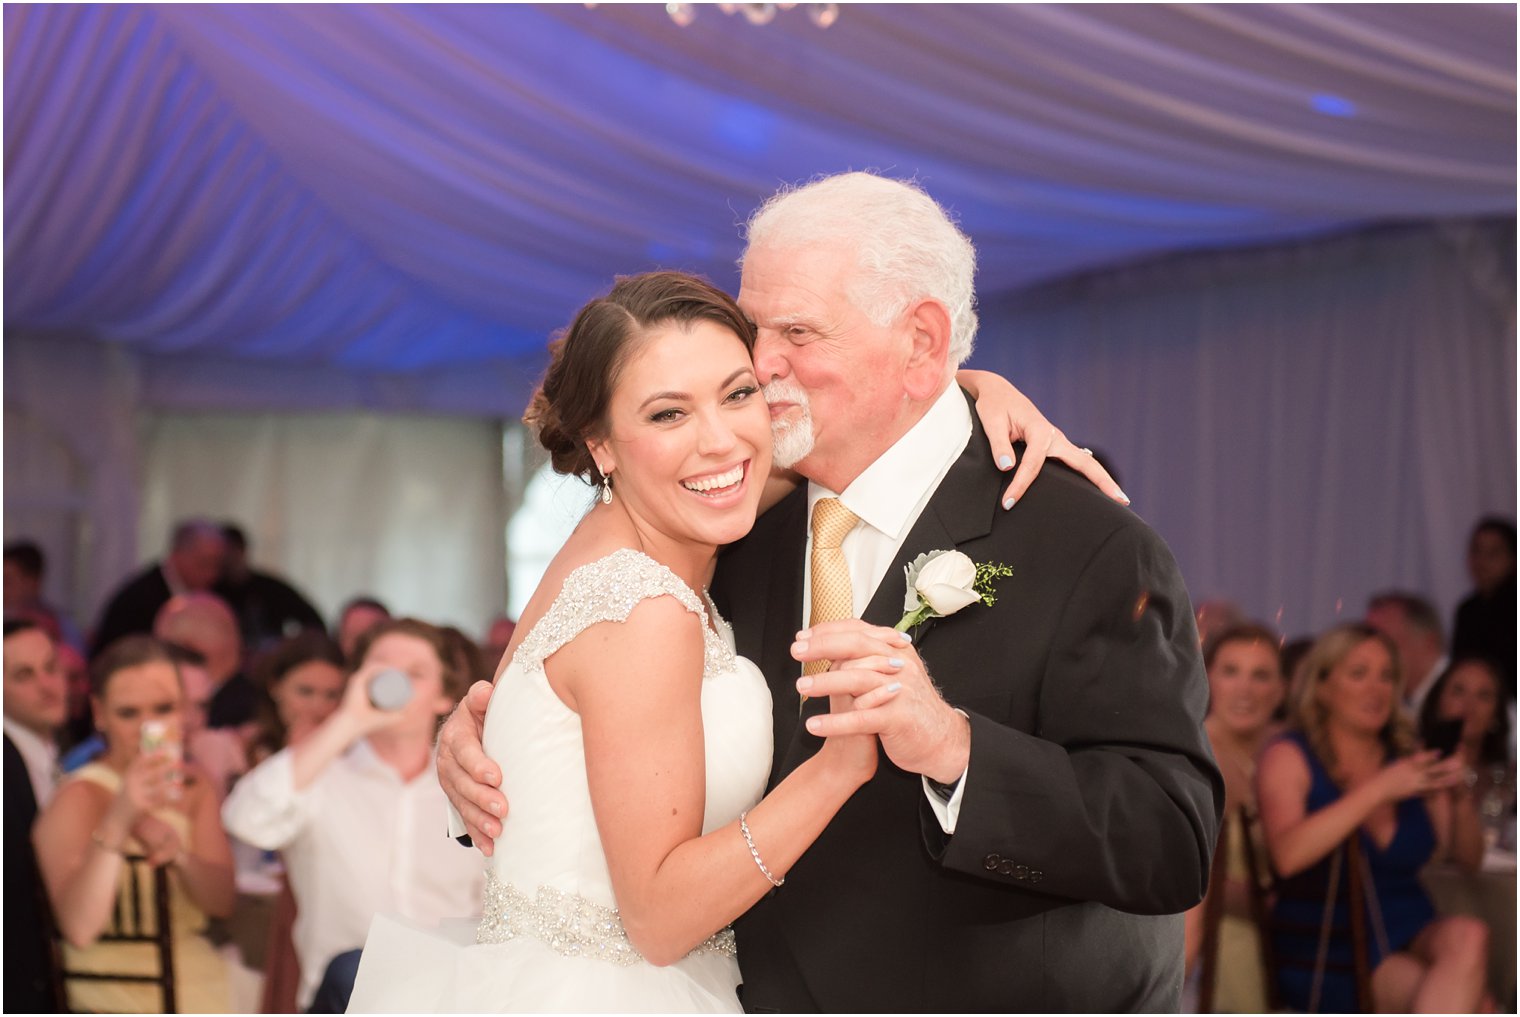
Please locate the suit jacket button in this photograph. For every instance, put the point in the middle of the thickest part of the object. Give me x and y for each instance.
(1005, 867)
(1035, 875)
(990, 863)
(1021, 872)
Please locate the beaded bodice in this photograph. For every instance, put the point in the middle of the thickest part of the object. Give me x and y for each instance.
(608, 589)
(549, 875)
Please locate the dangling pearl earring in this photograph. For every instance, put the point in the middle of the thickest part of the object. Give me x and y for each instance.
(606, 486)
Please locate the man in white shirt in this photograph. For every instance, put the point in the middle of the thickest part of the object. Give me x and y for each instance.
(354, 806)
(36, 703)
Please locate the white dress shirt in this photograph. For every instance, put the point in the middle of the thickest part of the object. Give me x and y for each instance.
(357, 842)
(41, 758)
(889, 496)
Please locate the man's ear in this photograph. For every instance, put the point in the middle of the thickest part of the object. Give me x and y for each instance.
(929, 325)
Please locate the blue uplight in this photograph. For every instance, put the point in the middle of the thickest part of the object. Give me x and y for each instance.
(1333, 105)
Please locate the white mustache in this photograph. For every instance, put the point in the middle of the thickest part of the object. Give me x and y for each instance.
(784, 390)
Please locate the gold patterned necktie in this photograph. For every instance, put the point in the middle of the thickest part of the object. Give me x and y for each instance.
(832, 597)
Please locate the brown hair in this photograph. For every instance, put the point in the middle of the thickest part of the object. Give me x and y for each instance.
(586, 359)
(456, 681)
(271, 668)
(128, 651)
(1307, 715)
(1245, 632)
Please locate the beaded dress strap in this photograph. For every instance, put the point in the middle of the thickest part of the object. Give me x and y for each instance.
(608, 589)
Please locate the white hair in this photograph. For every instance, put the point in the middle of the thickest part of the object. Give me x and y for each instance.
(906, 246)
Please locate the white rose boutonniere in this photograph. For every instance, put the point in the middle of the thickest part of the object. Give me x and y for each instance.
(940, 583)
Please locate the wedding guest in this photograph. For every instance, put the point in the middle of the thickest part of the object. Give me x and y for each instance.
(1246, 687)
(350, 806)
(1414, 627)
(1348, 767)
(25, 572)
(303, 679)
(34, 708)
(267, 607)
(218, 752)
(358, 616)
(1469, 693)
(143, 803)
(193, 564)
(1215, 616)
(36, 700)
(1485, 621)
(204, 623)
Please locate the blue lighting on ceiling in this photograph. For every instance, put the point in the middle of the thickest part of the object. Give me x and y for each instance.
(1333, 105)
(744, 126)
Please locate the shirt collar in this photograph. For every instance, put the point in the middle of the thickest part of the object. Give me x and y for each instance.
(29, 741)
(888, 491)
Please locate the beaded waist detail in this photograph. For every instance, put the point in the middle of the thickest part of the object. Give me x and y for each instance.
(569, 924)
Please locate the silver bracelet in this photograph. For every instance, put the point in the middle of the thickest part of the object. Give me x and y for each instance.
(755, 852)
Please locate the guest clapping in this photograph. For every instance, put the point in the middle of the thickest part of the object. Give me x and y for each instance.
(144, 802)
(1348, 768)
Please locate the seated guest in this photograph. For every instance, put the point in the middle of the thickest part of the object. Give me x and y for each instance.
(267, 607)
(34, 709)
(1347, 767)
(1246, 687)
(358, 616)
(1412, 625)
(303, 680)
(194, 563)
(1469, 693)
(1485, 621)
(137, 802)
(218, 753)
(204, 623)
(25, 572)
(350, 807)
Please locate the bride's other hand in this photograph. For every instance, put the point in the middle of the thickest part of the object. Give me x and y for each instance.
(467, 776)
(857, 754)
(1008, 416)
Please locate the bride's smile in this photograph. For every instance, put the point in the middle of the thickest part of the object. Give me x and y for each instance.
(688, 440)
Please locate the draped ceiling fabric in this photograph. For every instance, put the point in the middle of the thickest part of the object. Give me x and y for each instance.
(431, 190)
(243, 210)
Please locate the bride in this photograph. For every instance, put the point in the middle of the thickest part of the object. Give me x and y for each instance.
(635, 745)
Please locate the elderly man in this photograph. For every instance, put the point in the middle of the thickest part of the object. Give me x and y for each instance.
(203, 622)
(1051, 803)
(1413, 625)
(197, 550)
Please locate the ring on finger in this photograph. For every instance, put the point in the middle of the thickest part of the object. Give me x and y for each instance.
(1088, 451)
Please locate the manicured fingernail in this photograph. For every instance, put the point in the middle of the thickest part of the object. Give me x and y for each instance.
(1005, 462)
(1008, 502)
(893, 662)
(496, 808)
(1123, 497)
(804, 683)
(905, 637)
(800, 646)
(812, 725)
(894, 686)
(805, 633)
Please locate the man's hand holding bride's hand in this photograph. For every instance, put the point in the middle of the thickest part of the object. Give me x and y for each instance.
(894, 698)
(469, 779)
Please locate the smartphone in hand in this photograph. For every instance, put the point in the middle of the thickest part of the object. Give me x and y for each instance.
(1445, 736)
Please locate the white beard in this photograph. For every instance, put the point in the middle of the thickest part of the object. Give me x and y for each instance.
(791, 439)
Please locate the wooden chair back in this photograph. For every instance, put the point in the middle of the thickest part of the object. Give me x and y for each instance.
(141, 915)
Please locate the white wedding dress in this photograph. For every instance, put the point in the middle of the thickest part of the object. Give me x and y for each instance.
(550, 938)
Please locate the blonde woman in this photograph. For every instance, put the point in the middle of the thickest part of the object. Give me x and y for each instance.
(1348, 767)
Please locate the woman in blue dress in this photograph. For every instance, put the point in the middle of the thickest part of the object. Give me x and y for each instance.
(1349, 766)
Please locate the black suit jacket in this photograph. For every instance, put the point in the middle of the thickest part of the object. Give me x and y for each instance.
(29, 975)
(1092, 799)
(132, 608)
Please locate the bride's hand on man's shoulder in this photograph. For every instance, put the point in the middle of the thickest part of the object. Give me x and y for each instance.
(1008, 416)
(469, 779)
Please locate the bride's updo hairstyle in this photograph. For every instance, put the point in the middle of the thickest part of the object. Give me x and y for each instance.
(586, 360)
